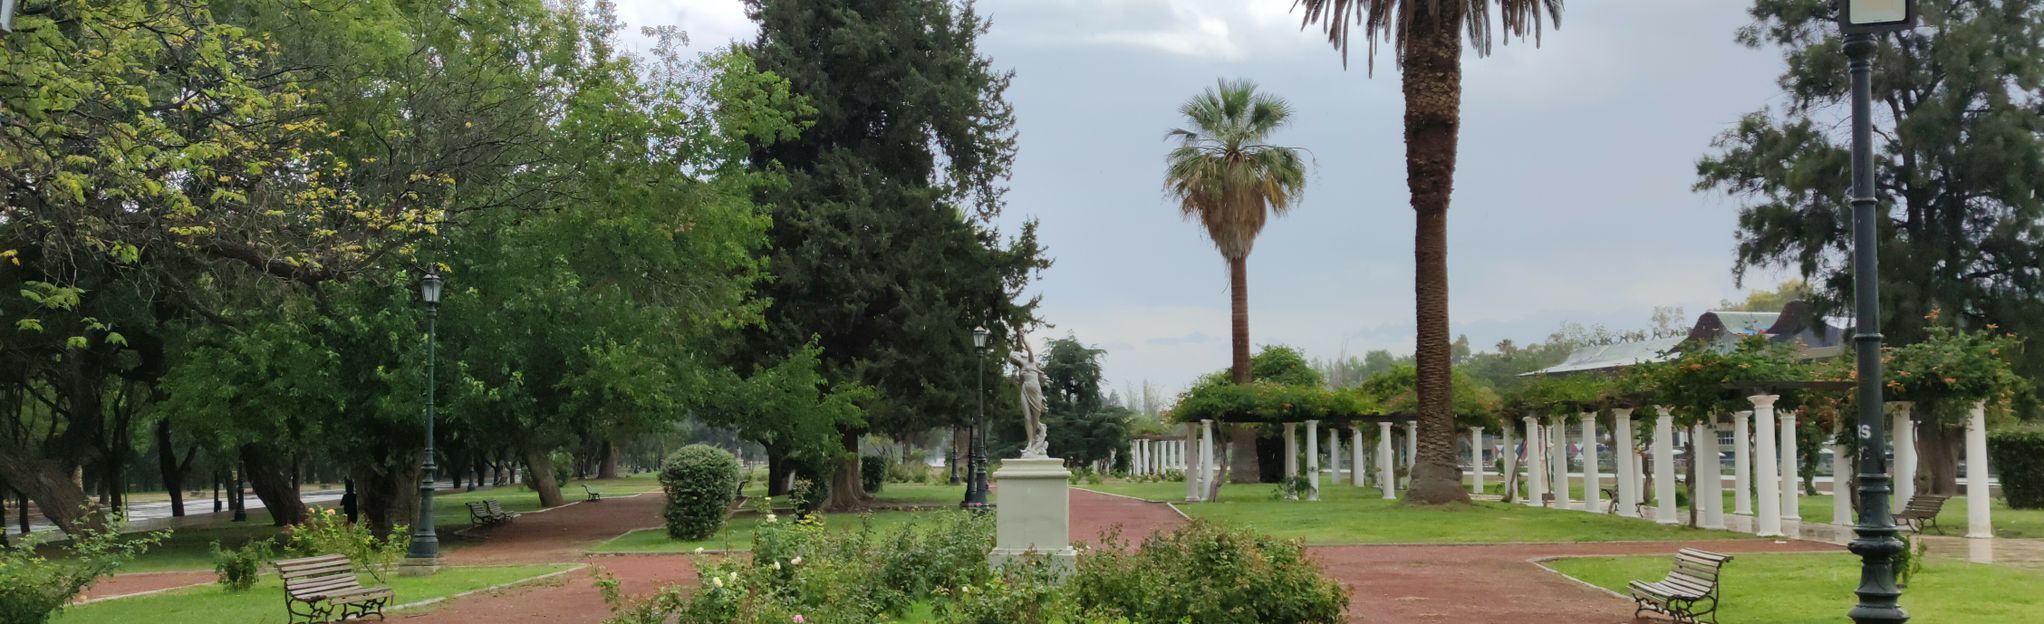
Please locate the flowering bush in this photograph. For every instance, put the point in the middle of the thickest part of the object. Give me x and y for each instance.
(1950, 370)
(327, 532)
(33, 589)
(1204, 574)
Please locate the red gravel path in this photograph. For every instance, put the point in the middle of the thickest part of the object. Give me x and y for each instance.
(124, 584)
(1094, 514)
(558, 534)
(1496, 584)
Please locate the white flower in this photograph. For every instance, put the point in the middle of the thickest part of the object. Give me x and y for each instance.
(734, 576)
(777, 566)
(699, 550)
(772, 518)
(718, 580)
(795, 561)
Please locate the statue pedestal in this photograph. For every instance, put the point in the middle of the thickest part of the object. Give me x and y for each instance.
(1034, 517)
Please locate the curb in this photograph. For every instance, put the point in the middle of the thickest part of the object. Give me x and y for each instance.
(432, 601)
(1541, 562)
(139, 594)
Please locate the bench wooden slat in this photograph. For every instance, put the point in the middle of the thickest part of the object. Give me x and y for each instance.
(325, 584)
(1688, 592)
(329, 568)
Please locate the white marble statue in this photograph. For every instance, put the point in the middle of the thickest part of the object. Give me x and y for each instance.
(1029, 376)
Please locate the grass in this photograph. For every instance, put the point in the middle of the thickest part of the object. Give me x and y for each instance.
(262, 604)
(737, 534)
(1812, 588)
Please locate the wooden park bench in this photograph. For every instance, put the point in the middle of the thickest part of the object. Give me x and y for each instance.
(1922, 511)
(1690, 591)
(486, 513)
(324, 589)
(593, 494)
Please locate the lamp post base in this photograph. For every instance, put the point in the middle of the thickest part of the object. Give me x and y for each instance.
(418, 566)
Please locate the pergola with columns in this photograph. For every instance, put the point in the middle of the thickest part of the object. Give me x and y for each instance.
(1384, 459)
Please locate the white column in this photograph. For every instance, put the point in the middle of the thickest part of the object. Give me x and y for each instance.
(1791, 478)
(1593, 476)
(1140, 457)
(1355, 455)
(1476, 460)
(1841, 498)
(1291, 451)
(1664, 466)
(1628, 473)
(1313, 459)
(1767, 520)
(1387, 479)
(1334, 456)
(1742, 464)
(1536, 462)
(1411, 447)
(1208, 470)
(1190, 466)
(1557, 458)
(1979, 524)
(1709, 497)
(1510, 463)
(1905, 453)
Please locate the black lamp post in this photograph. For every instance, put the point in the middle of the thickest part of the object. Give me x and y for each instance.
(1879, 598)
(425, 551)
(976, 485)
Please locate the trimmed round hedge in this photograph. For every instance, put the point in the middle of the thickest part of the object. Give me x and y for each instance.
(872, 473)
(701, 481)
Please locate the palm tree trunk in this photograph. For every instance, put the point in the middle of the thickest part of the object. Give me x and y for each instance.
(1242, 466)
(1433, 102)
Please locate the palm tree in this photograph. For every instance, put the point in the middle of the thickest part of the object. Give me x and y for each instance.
(1427, 35)
(1225, 176)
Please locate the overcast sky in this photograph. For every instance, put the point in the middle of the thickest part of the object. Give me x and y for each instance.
(1572, 200)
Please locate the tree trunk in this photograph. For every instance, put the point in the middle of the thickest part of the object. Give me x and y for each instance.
(540, 469)
(778, 468)
(608, 469)
(960, 447)
(173, 474)
(267, 476)
(1242, 464)
(1937, 455)
(389, 499)
(1433, 101)
(51, 485)
(846, 493)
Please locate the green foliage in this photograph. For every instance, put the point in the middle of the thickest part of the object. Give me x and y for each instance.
(1268, 402)
(1950, 370)
(1283, 364)
(1958, 98)
(1698, 383)
(872, 472)
(33, 589)
(1202, 573)
(700, 481)
(1909, 561)
(2018, 458)
(327, 532)
(1225, 171)
(1562, 394)
(1397, 391)
(1023, 593)
(238, 568)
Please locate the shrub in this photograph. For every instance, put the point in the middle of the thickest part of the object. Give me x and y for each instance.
(909, 472)
(1023, 594)
(1204, 574)
(872, 473)
(327, 532)
(808, 495)
(238, 568)
(33, 589)
(700, 481)
(2018, 456)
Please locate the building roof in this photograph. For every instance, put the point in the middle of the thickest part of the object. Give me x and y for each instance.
(1616, 355)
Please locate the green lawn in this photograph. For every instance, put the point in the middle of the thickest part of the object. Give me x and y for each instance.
(938, 493)
(263, 604)
(737, 535)
(1346, 514)
(1812, 588)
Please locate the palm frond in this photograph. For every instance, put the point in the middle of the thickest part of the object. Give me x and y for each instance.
(1223, 172)
(1389, 20)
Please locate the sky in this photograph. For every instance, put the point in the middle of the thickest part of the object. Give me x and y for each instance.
(1573, 199)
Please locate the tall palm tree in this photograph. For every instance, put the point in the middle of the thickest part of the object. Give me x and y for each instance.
(1226, 176)
(1427, 35)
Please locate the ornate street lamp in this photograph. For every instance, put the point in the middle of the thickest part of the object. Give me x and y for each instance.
(425, 552)
(1879, 598)
(976, 485)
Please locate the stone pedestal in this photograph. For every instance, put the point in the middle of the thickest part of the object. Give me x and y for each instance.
(415, 566)
(1034, 517)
